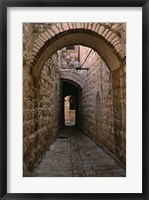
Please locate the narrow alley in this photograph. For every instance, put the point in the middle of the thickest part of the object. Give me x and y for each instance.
(74, 155)
(74, 99)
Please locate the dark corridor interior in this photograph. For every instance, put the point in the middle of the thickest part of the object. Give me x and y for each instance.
(71, 89)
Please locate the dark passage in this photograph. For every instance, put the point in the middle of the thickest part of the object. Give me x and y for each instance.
(71, 93)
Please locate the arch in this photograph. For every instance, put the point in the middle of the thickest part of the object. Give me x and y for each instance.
(94, 35)
(70, 112)
(72, 76)
(73, 87)
(70, 88)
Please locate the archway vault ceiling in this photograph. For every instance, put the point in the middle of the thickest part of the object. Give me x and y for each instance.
(72, 76)
(94, 35)
(70, 88)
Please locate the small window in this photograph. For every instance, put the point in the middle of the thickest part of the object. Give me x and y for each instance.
(70, 47)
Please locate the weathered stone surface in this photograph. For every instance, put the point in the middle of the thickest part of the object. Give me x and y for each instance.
(40, 99)
(75, 155)
(97, 116)
(102, 97)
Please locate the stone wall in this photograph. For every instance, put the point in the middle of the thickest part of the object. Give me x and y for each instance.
(69, 56)
(29, 114)
(102, 100)
(119, 112)
(41, 105)
(102, 106)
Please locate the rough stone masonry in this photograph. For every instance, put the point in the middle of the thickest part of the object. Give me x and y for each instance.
(102, 89)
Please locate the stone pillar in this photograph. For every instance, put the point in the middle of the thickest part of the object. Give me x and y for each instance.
(119, 112)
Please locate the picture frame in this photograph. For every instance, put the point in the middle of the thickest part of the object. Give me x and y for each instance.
(4, 112)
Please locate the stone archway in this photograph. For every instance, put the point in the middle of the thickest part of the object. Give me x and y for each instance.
(104, 40)
(71, 88)
(72, 76)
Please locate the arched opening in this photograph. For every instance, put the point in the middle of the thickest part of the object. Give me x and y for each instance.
(103, 45)
(96, 114)
(71, 103)
(70, 110)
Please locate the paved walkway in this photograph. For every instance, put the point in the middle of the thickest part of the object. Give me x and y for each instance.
(74, 155)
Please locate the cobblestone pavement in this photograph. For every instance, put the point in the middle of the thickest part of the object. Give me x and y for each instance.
(74, 155)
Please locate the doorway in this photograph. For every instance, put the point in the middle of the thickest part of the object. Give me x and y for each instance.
(70, 110)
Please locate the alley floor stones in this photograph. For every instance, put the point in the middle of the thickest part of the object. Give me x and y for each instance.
(74, 155)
